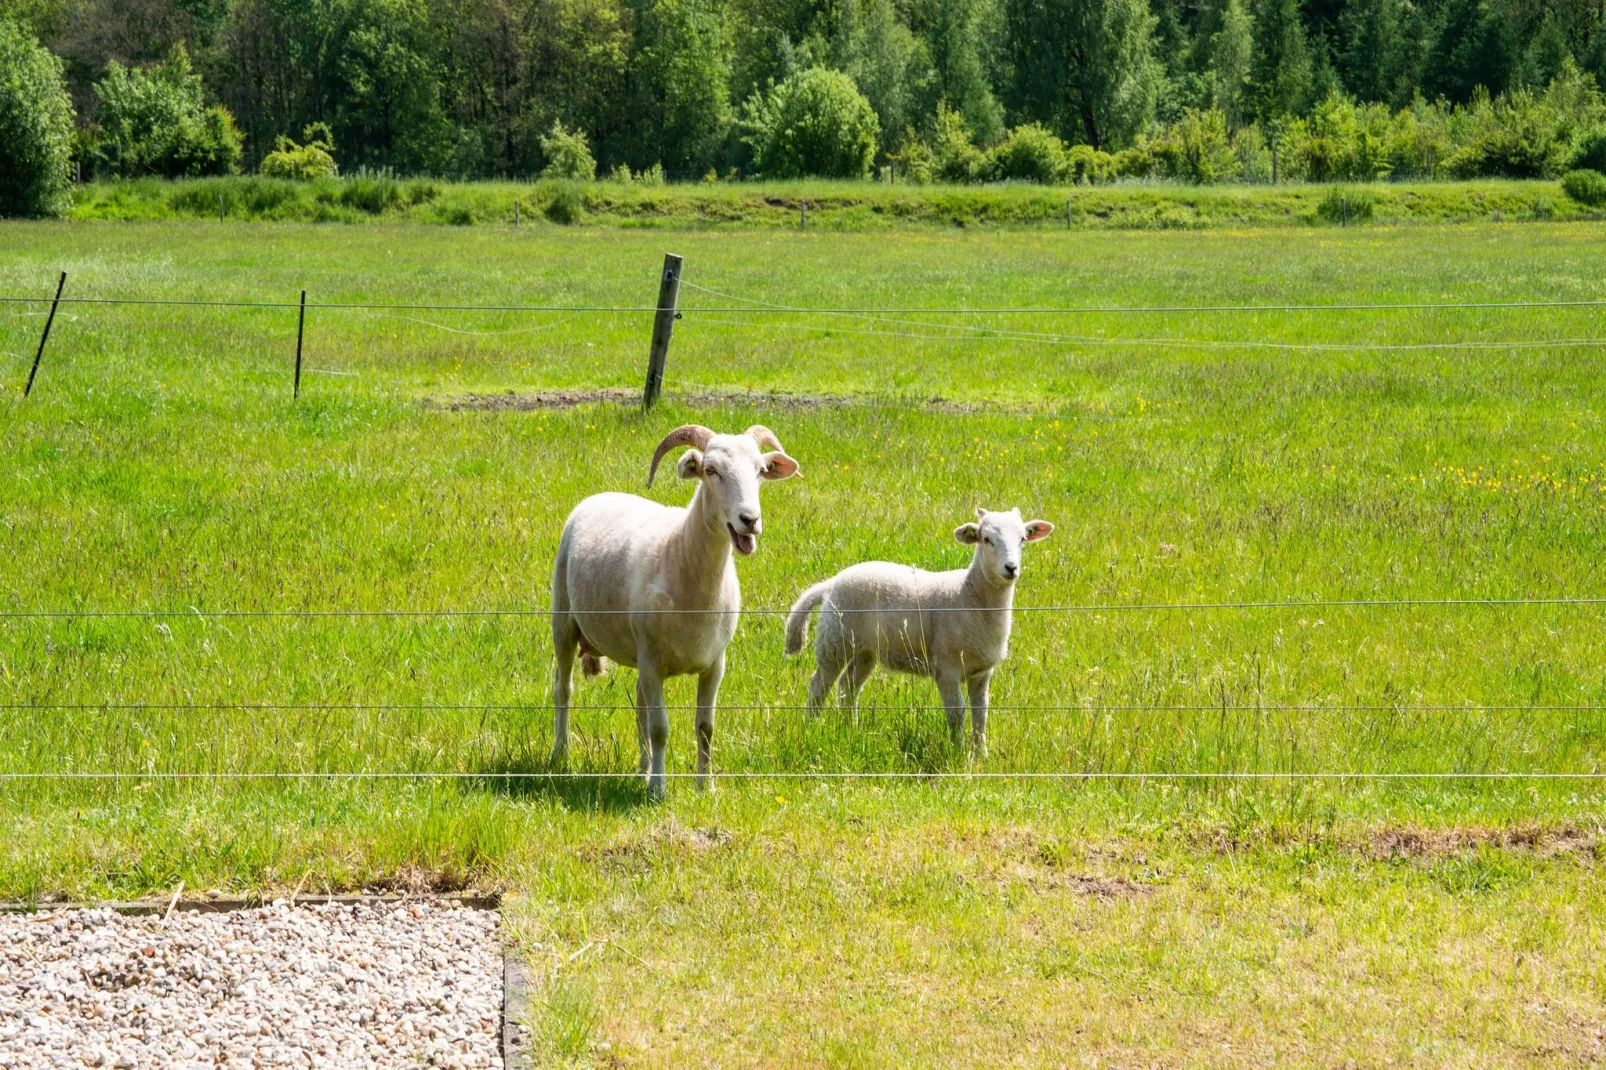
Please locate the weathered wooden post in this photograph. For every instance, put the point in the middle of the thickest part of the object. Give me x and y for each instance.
(43, 338)
(301, 327)
(663, 325)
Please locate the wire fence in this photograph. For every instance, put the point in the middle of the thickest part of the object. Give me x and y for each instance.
(899, 322)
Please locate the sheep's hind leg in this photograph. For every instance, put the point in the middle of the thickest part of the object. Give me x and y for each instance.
(650, 703)
(852, 682)
(565, 641)
(707, 695)
(978, 711)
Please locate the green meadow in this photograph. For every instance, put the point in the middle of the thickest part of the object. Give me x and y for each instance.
(1197, 465)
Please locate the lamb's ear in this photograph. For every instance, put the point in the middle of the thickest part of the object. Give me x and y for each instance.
(1038, 529)
(967, 534)
(981, 514)
(778, 466)
(690, 465)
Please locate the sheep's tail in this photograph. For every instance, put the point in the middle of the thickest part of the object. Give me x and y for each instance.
(797, 621)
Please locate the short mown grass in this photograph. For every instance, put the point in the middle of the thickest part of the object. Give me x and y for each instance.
(162, 465)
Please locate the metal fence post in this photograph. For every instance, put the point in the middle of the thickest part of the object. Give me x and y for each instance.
(301, 328)
(43, 338)
(663, 325)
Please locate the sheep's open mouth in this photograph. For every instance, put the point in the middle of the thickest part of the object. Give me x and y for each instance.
(745, 544)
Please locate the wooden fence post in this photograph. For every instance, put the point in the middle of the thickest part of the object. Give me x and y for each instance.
(301, 328)
(43, 338)
(663, 325)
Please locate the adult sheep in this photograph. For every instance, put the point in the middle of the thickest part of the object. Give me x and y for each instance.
(654, 587)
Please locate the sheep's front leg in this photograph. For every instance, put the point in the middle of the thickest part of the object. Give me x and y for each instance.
(707, 695)
(952, 703)
(565, 640)
(978, 710)
(653, 719)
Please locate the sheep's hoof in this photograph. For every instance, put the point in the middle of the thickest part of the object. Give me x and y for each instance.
(657, 792)
(705, 782)
(560, 758)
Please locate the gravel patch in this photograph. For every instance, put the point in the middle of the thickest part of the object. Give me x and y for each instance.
(363, 985)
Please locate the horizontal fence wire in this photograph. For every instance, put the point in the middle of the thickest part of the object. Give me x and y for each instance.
(772, 611)
(759, 307)
(806, 775)
(784, 707)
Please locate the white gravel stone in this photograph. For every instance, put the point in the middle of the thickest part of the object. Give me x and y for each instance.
(317, 985)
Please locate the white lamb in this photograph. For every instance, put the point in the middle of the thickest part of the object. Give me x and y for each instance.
(951, 626)
(654, 587)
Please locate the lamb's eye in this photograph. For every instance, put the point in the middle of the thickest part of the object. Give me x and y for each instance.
(988, 539)
(713, 472)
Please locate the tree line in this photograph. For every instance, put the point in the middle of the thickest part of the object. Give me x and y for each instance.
(965, 90)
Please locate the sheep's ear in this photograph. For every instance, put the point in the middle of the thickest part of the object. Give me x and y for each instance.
(967, 534)
(690, 465)
(778, 466)
(1038, 529)
(981, 514)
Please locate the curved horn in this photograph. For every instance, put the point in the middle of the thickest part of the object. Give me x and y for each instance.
(764, 437)
(684, 435)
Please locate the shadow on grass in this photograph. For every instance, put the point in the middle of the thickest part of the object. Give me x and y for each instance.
(526, 778)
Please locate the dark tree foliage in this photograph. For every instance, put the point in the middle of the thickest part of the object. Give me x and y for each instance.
(471, 87)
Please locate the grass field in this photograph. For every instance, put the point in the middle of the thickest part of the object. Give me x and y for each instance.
(161, 464)
(842, 205)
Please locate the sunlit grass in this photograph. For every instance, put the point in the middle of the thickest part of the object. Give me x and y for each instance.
(162, 465)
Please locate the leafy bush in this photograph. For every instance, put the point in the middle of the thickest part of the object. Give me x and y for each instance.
(36, 128)
(302, 163)
(1585, 186)
(1513, 137)
(1344, 144)
(955, 158)
(567, 154)
(652, 176)
(814, 123)
(1029, 153)
(1085, 165)
(913, 160)
(371, 194)
(156, 122)
(1590, 152)
(565, 204)
(1196, 149)
(1345, 206)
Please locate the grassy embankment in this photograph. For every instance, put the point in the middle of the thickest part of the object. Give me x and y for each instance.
(831, 205)
(162, 464)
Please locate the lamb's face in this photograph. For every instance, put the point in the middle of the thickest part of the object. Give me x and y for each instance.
(731, 469)
(999, 539)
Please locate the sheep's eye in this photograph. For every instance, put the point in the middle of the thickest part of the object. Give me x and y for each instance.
(988, 539)
(712, 471)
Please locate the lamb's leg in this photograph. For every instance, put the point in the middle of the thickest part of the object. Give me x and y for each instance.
(650, 696)
(645, 761)
(831, 654)
(852, 682)
(565, 640)
(978, 710)
(707, 695)
(952, 703)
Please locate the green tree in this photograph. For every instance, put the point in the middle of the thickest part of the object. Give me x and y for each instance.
(156, 122)
(886, 62)
(1280, 74)
(954, 36)
(1084, 68)
(36, 127)
(1371, 60)
(814, 123)
(1477, 45)
(1231, 54)
(682, 86)
(386, 98)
